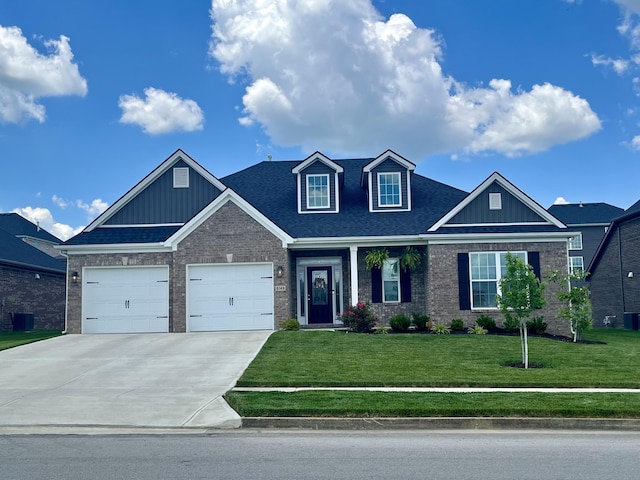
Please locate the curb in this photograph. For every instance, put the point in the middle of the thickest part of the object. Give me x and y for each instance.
(443, 423)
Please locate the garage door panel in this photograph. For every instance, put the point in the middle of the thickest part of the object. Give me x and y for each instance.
(230, 297)
(125, 300)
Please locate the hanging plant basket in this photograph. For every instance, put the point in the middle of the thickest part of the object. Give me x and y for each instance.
(410, 259)
(375, 258)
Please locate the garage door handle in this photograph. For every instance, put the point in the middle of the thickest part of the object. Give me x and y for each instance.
(91, 318)
(266, 314)
(192, 316)
(163, 317)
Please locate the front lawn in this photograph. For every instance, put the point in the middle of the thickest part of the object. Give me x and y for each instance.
(14, 339)
(338, 359)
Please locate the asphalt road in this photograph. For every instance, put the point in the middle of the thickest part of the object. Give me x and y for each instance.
(358, 455)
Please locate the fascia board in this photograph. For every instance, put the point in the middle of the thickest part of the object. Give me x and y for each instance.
(312, 158)
(389, 153)
(444, 239)
(32, 267)
(214, 206)
(148, 180)
(512, 189)
(113, 248)
(368, 241)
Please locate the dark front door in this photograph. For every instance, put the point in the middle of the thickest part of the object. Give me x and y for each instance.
(320, 295)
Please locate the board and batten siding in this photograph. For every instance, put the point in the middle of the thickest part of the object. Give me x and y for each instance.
(512, 211)
(160, 203)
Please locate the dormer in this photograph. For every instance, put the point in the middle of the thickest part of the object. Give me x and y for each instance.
(317, 179)
(387, 179)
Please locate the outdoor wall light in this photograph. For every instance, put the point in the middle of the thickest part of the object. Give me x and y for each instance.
(75, 277)
(280, 271)
(630, 275)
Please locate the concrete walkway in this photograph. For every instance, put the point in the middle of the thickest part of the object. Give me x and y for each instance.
(165, 380)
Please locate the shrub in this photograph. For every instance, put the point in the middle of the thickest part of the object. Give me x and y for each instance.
(441, 329)
(290, 324)
(400, 322)
(381, 330)
(429, 325)
(486, 322)
(476, 330)
(457, 324)
(359, 318)
(420, 321)
(537, 325)
(511, 324)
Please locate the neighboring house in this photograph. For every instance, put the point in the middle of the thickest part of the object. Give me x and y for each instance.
(185, 251)
(32, 276)
(590, 222)
(615, 272)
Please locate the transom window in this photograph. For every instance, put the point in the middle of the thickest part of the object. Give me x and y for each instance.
(391, 280)
(389, 189)
(317, 191)
(487, 268)
(575, 243)
(576, 265)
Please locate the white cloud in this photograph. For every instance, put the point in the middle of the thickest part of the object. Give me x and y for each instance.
(161, 112)
(61, 202)
(635, 143)
(26, 75)
(560, 201)
(338, 76)
(94, 209)
(44, 218)
(619, 65)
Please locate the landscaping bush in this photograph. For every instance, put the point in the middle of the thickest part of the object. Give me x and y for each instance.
(457, 324)
(400, 323)
(511, 325)
(359, 318)
(476, 330)
(537, 325)
(381, 330)
(441, 329)
(486, 322)
(420, 321)
(290, 324)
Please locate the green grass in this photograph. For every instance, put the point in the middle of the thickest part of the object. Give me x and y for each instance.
(337, 359)
(14, 339)
(326, 359)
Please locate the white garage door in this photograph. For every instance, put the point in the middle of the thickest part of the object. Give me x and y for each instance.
(125, 300)
(230, 297)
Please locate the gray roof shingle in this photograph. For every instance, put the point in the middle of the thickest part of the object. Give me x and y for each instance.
(585, 213)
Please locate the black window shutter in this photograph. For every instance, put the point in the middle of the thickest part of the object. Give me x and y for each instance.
(376, 285)
(464, 292)
(534, 261)
(405, 286)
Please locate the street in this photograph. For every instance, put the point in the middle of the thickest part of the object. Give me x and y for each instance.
(350, 455)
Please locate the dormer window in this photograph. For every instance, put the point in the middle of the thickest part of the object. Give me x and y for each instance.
(318, 184)
(389, 194)
(317, 191)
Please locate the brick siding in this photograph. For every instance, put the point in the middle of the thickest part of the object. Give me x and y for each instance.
(442, 280)
(22, 292)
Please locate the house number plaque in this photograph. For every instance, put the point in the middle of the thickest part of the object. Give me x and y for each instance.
(281, 288)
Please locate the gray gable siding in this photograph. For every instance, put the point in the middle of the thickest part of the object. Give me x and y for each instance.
(390, 166)
(318, 168)
(478, 212)
(160, 203)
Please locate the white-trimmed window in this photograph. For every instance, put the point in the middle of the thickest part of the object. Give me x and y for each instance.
(487, 268)
(576, 264)
(389, 194)
(391, 280)
(575, 243)
(318, 191)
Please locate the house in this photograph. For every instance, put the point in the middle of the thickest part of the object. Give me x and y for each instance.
(590, 222)
(614, 273)
(186, 251)
(32, 276)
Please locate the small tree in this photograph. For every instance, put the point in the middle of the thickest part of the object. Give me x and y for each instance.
(521, 294)
(578, 309)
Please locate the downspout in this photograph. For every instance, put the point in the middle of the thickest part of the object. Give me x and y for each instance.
(621, 273)
(66, 292)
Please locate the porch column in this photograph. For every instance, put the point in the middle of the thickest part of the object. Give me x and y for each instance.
(353, 262)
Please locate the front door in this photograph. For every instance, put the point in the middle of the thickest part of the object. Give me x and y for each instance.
(320, 295)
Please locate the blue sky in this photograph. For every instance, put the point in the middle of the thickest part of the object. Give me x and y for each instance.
(94, 95)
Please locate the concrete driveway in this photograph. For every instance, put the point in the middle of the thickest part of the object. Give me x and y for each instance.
(132, 380)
